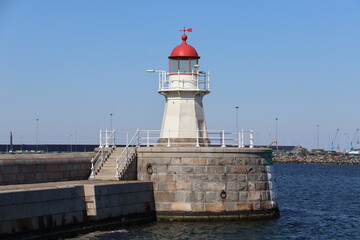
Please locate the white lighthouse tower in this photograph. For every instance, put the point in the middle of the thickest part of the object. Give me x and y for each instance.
(184, 87)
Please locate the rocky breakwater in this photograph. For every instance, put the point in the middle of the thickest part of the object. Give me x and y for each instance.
(318, 159)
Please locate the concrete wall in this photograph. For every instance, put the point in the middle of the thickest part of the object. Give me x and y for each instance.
(25, 210)
(194, 182)
(38, 168)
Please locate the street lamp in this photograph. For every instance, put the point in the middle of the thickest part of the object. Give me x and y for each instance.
(37, 134)
(70, 143)
(111, 121)
(276, 130)
(317, 138)
(237, 118)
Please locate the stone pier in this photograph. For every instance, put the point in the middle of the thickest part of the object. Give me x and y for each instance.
(206, 183)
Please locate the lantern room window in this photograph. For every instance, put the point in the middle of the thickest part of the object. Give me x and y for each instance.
(182, 65)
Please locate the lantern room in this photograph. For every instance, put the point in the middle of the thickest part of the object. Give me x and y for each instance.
(183, 59)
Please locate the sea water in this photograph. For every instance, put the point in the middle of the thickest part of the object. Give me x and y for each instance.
(316, 202)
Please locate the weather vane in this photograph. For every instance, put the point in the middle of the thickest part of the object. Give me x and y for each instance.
(186, 30)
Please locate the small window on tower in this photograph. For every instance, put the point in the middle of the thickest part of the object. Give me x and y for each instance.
(184, 65)
(174, 65)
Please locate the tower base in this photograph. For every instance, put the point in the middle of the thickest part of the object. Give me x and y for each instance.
(183, 142)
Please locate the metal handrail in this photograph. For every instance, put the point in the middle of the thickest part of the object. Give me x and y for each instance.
(95, 163)
(200, 79)
(213, 138)
(124, 156)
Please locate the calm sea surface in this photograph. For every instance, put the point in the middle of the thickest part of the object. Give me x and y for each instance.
(316, 202)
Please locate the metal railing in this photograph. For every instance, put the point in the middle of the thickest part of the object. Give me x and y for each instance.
(199, 80)
(127, 155)
(152, 138)
(98, 160)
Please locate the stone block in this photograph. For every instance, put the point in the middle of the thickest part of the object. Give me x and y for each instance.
(163, 206)
(211, 196)
(251, 185)
(254, 196)
(182, 177)
(183, 185)
(164, 197)
(199, 169)
(232, 196)
(199, 196)
(241, 177)
(212, 161)
(230, 177)
(197, 186)
(236, 169)
(230, 206)
(242, 186)
(163, 161)
(182, 196)
(254, 177)
(243, 196)
(213, 186)
(216, 170)
(171, 186)
(256, 205)
(172, 169)
(231, 186)
(193, 177)
(215, 177)
(166, 177)
(266, 205)
(187, 169)
(176, 161)
(162, 168)
(198, 207)
(265, 196)
(181, 207)
(261, 185)
(226, 161)
(244, 206)
(214, 207)
(194, 161)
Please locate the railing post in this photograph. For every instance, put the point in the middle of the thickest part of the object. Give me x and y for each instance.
(117, 174)
(138, 137)
(114, 138)
(148, 138)
(197, 139)
(127, 139)
(106, 138)
(239, 139)
(92, 175)
(251, 139)
(223, 139)
(168, 144)
(100, 146)
(242, 138)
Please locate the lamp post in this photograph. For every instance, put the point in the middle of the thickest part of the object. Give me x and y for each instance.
(276, 130)
(111, 121)
(317, 137)
(37, 134)
(70, 143)
(237, 118)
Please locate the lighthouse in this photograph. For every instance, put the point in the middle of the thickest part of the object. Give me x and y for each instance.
(184, 87)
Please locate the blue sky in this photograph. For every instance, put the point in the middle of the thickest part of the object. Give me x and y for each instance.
(71, 63)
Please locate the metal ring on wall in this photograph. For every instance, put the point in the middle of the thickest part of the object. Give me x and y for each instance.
(149, 169)
(223, 194)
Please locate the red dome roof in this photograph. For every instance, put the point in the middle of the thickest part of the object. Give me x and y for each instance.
(184, 50)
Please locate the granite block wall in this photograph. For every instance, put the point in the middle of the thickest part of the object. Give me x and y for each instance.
(29, 208)
(208, 181)
(38, 168)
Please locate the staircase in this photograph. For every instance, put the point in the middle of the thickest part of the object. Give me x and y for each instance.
(108, 169)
